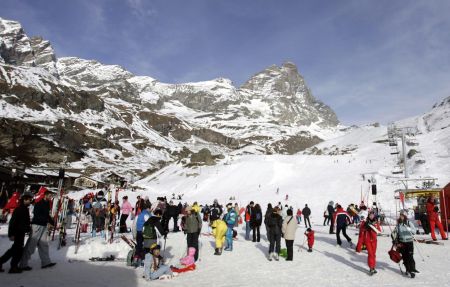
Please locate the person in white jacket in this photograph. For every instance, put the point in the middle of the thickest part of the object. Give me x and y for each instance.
(288, 229)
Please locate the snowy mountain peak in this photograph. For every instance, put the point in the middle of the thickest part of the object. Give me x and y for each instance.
(285, 89)
(16, 48)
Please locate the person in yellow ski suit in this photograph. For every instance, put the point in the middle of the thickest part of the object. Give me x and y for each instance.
(219, 229)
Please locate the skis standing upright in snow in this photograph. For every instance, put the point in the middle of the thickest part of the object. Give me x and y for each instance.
(78, 230)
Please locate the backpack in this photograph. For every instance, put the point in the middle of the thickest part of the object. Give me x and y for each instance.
(149, 231)
(258, 216)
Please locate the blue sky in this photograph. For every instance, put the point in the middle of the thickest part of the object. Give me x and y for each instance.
(379, 60)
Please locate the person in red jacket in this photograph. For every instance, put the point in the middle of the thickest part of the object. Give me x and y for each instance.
(310, 236)
(433, 217)
(368, 231)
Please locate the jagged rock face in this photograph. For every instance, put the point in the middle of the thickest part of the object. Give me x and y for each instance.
(105, 117)
(291, 101)
(17, 48)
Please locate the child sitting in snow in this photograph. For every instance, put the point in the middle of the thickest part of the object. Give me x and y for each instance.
(154, 267)
(310, 236)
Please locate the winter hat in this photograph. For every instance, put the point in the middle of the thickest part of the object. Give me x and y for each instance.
(154, 247)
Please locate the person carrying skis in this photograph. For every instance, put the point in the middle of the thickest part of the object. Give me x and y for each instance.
(306, 213)
(368, 231)
(342, 219)
(154, 267)
(39, 234)
(274, 223)
(255, 222)
(230, 218)
(404, 241)
(19, 225)
(433, 218)
(309, 233)
(288, 230)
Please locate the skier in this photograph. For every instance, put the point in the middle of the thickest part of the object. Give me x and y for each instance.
(433, 217)
(230, 218)
(288, 229)
(404, 241)
(326, 218)
(248, 215)
(126, 210)
(342, 220)
(255, 222)
(39, 234)
(309, 233)
(19, 225)
(154, 267)
(193, 227)
(274, 222)
(368, 231)
(306, 213)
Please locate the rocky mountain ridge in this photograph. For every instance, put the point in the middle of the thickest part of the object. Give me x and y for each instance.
(104, 117)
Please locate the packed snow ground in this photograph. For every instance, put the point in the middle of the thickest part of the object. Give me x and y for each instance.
(305, 179)
(246, 265)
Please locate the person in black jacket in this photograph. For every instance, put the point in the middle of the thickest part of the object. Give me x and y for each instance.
(255, 222)
(19, 225)
(274, 224)
(306, 213)
(330, 209)
(39, 234)
(173, 213)
(149, 232)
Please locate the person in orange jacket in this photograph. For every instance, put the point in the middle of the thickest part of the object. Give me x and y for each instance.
(433, 217)
(310, 236)
(368, 231)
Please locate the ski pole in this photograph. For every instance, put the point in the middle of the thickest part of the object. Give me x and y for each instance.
(301, 246)
(417, 246)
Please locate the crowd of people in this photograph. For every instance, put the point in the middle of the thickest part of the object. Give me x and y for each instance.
(151, 225)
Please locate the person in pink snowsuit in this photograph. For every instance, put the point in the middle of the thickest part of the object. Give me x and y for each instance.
(189, 259)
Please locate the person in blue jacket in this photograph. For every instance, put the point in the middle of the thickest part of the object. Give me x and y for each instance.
(230, 220)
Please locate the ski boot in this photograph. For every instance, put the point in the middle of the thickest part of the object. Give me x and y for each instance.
(276, 256)
(270, 256)
(218, 252)
(372, 271)
(310, 250)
